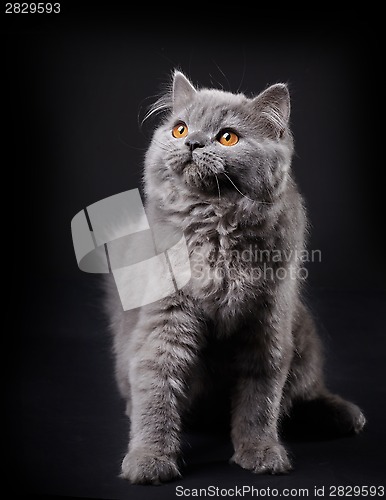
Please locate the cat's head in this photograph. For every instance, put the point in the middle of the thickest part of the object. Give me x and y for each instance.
(214, 142)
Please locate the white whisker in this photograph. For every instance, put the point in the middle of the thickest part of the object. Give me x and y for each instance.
(161, 145)
(164, 103)
(218, 187)
(242, 194)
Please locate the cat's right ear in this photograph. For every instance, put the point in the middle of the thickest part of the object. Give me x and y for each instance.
(183, 90)
(272, 109)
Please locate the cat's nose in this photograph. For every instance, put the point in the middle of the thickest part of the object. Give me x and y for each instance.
(195, 140)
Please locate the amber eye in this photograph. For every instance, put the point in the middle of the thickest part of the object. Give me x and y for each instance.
(228, 138)
(180, 130)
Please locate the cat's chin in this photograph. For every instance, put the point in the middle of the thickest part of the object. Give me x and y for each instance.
(198, 178)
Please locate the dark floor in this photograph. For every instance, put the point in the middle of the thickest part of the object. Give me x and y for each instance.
(68, 431)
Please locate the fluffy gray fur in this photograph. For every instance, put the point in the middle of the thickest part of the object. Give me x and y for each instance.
(228, 201)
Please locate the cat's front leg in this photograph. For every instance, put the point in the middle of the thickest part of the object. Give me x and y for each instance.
(167, 343)
(262, 367)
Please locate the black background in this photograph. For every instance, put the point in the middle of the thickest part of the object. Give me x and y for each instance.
(76, 87)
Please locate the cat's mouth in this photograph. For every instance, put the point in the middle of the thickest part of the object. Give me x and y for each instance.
(198, 169)
(206, 179)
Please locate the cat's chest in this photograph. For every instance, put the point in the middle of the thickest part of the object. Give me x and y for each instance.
(224, 246)
(219, 260)
(213, 240)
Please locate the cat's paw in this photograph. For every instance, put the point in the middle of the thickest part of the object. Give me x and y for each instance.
(142, 466)
(266, 458)
(352, 419)
(347, 417)
(359, 422)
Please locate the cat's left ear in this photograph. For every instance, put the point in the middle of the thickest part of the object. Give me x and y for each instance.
(183, 90)
(272, 109)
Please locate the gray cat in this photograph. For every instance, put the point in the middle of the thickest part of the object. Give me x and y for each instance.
(219, 169)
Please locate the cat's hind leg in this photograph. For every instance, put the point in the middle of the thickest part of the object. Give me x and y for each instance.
(306, 398)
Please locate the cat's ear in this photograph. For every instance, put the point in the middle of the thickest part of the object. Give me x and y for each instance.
(272, 109)
(183, 90)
